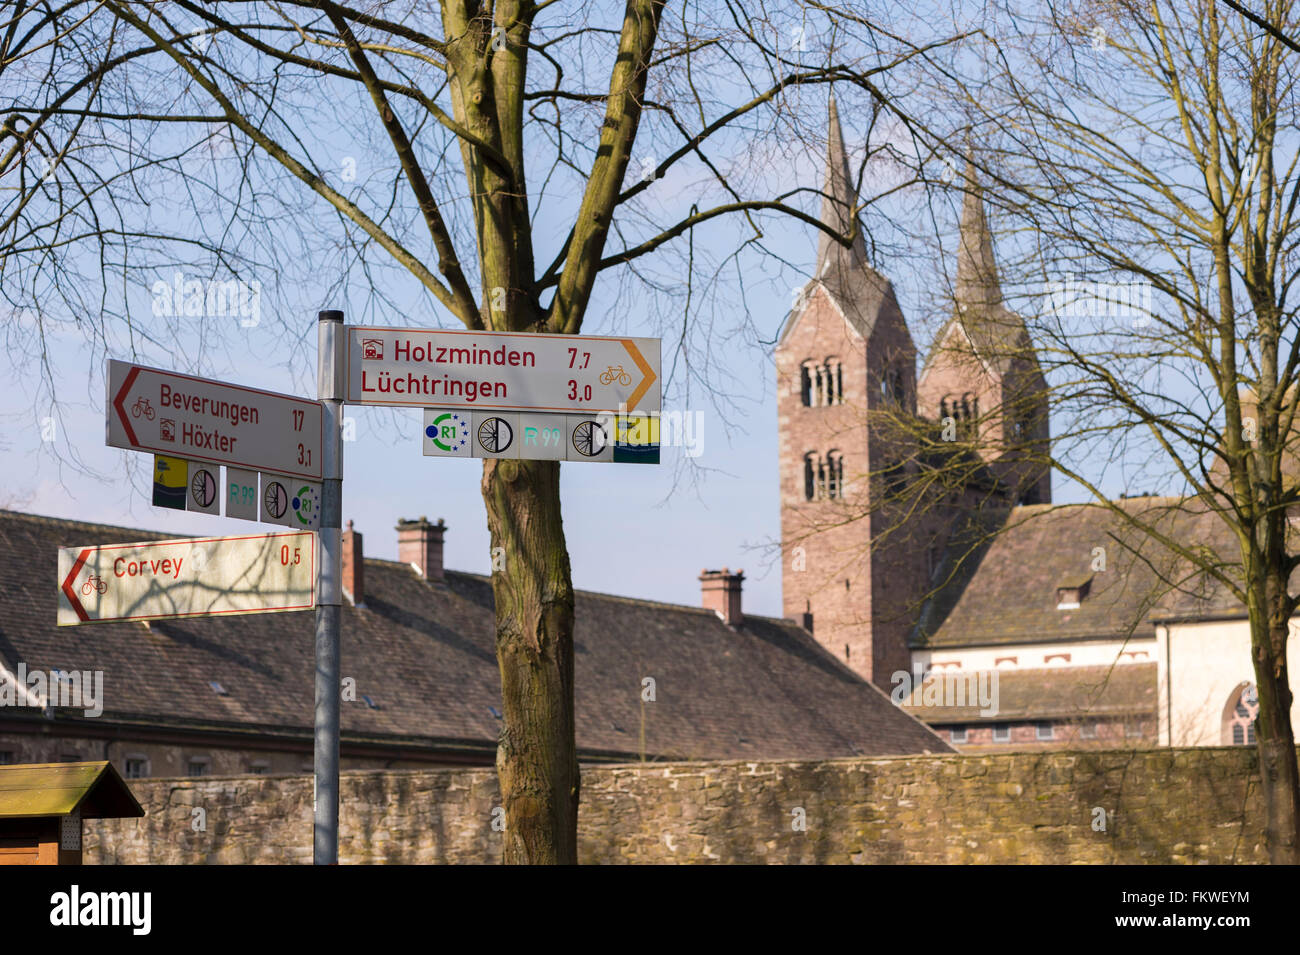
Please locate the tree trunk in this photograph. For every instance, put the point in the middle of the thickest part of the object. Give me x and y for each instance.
(537, 762)
(1279, 774)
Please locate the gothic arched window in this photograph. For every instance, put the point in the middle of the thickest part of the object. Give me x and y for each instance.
(1239, 716)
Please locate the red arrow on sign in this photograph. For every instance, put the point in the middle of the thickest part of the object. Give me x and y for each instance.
(120, 403)
(67, 588)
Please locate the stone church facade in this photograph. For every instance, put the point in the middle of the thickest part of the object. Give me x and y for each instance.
(919, 535)
(857, 426)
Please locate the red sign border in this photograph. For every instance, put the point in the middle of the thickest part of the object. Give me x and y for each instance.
(625, 341)
(66, 587)
(119, 400)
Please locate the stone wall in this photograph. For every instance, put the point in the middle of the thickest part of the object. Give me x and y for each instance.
(1161, 806)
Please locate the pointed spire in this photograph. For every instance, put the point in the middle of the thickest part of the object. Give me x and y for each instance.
(838, 202)
(977, 284)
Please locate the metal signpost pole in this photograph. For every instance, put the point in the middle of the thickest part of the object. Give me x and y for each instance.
(329, 381)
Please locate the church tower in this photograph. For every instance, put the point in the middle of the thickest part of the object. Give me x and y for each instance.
(982, 375)
(864, 521)
(844, 355)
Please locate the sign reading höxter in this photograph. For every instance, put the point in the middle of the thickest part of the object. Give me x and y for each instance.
(504, 371)
(203, 420)
(191, 577)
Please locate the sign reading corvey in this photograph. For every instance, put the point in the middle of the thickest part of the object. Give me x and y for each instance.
(503, 371)
(203, 420)
(191, 577)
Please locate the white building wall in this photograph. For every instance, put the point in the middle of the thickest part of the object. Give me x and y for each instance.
(1035, 656)
(1200, 665)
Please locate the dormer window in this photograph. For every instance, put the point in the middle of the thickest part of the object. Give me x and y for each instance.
(1070, 593)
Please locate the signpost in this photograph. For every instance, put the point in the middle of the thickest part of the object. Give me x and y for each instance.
(202, 420)
(486, 394)
(284, 462)
(330, 354)
(501, 371)
(190, 577)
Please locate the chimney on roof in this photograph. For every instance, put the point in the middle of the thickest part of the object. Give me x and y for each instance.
(720, 592)
(354, 571)
(419, 543)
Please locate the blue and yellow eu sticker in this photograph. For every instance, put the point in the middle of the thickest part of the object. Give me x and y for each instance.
(171, 479)
(636, 439)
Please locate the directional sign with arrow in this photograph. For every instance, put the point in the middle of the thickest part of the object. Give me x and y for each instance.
(190, 577)
(502, 371)
(204, 420)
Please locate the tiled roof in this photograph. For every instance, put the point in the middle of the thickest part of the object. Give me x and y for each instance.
(1052, 693)
(1002, 588)
(424, 653)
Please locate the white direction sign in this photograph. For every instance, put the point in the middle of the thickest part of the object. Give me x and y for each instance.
(502, 371)
(212, 421)
(191, 577)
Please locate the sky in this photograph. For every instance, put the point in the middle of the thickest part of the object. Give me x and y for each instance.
(636, 530)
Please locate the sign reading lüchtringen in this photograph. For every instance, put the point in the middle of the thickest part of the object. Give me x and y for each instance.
(503, 371)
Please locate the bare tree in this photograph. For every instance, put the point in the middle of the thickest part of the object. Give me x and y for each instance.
(504, 185)
(1142, 160)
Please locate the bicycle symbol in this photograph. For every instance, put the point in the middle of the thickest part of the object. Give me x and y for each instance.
(93, 584)
(142, 407)
(615, 372)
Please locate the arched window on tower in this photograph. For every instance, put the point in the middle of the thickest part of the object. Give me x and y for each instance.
(1239, 716)
(967, 415)
(821, 383)
(823, 477)
(834, 475)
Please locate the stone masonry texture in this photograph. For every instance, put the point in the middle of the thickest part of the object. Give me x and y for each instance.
(1161, 806)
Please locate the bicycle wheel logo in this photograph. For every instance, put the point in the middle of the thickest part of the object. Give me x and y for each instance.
(495, 435)
(203, 489)
(590, 438)
(275, 500)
